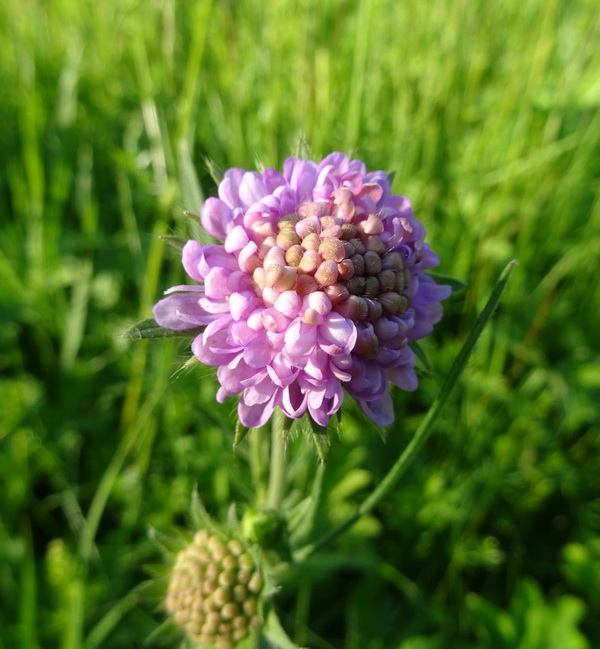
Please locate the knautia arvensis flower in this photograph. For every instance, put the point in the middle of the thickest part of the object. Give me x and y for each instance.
(318, 286)
(214, 591)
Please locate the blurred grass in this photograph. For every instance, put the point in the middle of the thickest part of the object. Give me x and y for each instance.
(489, 114)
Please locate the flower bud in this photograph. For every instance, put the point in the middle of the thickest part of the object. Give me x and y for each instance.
(221, 609)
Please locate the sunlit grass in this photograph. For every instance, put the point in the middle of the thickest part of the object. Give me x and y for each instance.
(489, 115)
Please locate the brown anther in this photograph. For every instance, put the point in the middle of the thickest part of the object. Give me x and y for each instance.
(346, 269)
(349, 231)
(376, 244)
(387, 280)
(294, 255)
(371, 287)
(327, 273)
(328, 221)
(359, 264)
(311, 241)
(392, 261)
(372, 263)
(287, 238)
(311, 260)
(356, 285)
(336, 292)
(332, 249)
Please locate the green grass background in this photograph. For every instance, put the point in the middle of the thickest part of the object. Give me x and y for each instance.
(488, 112)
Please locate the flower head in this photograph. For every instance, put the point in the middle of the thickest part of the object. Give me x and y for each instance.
(317, 286)
(214, 590)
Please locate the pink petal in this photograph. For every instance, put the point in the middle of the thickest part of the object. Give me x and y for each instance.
(180, 311)
(258, 353)
(236, 239)
(252, 188)
(255, 416)
(215, 283)
(381, 411)
(339, 331)
(289, 303)
(216, 218)
(229, 188)
(293, 401)
(190, 257)
(240, 304)
(300, 339)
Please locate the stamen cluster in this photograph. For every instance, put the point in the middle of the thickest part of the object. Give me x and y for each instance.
(213, 592)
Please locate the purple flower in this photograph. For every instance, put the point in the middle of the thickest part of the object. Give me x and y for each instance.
(317, 286)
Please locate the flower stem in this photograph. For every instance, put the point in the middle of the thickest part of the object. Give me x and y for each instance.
(424, 430)
(280, 428)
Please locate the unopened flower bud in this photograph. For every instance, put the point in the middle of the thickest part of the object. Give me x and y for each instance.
(371, 287)
(293, 255)
(392, 261)
(311, 260)
(376, 244)
(210, 610)
(358, 261)
(332, 249)
(287, 238)
(311, 241)
(372, 263)
(327, 273)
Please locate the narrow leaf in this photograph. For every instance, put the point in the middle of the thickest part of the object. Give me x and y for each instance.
(172, 240)
(421, 355)
(240, 432)
(150, 329)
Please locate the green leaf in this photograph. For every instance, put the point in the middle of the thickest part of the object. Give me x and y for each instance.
(240, 432)
(421, 355)
(302, 517)
(150, 329)
(273, 635)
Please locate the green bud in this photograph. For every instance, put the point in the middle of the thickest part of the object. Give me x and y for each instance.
(214, 591)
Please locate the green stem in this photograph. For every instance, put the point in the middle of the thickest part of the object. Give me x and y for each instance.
(257, 467)
(426, 426)
(280, 429)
